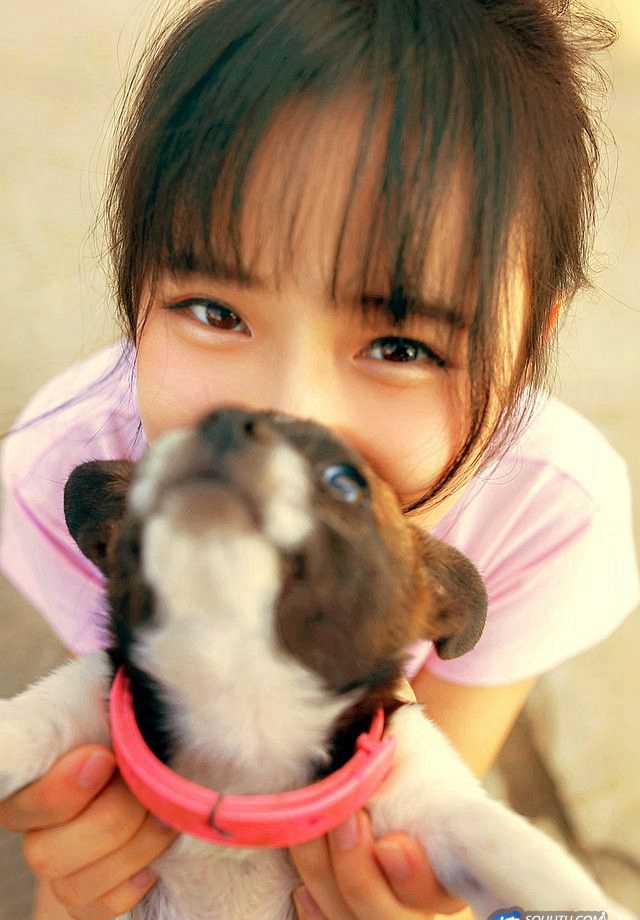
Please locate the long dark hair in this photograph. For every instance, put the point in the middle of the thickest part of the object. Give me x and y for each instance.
(505, 87)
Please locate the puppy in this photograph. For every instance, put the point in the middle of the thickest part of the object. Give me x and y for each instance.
(263, 586)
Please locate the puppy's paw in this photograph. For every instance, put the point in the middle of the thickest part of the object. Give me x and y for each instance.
(6, 785)
(23, 758)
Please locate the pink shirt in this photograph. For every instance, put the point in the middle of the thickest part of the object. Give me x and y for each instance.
(549, 528)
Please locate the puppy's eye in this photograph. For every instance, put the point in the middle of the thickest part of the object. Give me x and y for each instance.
(346, 482)
(297, 566)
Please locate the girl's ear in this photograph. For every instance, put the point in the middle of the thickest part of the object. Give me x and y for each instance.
(94, 505)
(454, 602)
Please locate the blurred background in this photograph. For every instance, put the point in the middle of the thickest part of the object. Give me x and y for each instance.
(572, 761)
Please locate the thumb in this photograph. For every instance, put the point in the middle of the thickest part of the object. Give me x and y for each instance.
(61, 793)
(407, 869)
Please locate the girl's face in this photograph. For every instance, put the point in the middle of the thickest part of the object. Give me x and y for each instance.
(210, 342)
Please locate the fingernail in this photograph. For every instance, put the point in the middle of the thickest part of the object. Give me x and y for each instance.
(95, 771)
(346, 836)
(142, 879)
(394, 861)
(306, 906)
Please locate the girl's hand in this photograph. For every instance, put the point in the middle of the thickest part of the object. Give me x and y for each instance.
(87, 835)
(359, 883)
(365, 879)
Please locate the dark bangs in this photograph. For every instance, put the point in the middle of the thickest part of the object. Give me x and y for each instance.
(487, 97)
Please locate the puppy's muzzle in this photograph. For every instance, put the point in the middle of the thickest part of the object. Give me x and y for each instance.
(227, 469)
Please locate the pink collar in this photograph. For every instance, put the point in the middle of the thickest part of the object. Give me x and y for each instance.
(246, 820)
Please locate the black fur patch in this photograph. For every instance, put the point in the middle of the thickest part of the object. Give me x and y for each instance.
(151, 714)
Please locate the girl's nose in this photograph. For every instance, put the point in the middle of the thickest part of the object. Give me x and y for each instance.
(312, 403)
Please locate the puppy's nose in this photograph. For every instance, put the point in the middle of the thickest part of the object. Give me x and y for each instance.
(230, 430)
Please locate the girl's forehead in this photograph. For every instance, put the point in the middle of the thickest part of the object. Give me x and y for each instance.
(312, 213)
(306, 180)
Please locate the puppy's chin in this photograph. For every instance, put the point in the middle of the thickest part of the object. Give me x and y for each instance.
(204, 505)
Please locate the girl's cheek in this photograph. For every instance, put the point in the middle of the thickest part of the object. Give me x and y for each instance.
(173, 388)
(177, 384)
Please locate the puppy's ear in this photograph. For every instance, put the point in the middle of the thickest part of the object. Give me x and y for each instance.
(94, 505)
(456, 598)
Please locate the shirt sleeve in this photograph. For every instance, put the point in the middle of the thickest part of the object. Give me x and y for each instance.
(37, 553)
(565, 578)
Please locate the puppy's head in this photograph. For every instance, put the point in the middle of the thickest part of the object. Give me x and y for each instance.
(255, 542)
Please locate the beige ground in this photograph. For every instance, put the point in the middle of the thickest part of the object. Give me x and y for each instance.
(573, 759)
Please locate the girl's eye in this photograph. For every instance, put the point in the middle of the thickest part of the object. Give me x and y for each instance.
(210, 313)
(403, 350)
(216, 315)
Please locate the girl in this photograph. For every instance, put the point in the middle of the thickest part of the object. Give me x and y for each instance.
(431, 167)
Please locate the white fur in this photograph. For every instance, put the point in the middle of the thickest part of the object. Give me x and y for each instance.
(217, 657)
(479, 849)
(288, 519)
(251, 719)
(52, 716)
(142, 492)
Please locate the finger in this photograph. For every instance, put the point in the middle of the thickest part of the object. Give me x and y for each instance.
(62, 793)
(117, 902)
(306, 907)
(108, 823)
(84, 887)
(409, 873)
(362, 884)
(313, 862)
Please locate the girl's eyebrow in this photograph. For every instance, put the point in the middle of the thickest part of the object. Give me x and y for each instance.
(432, 308)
